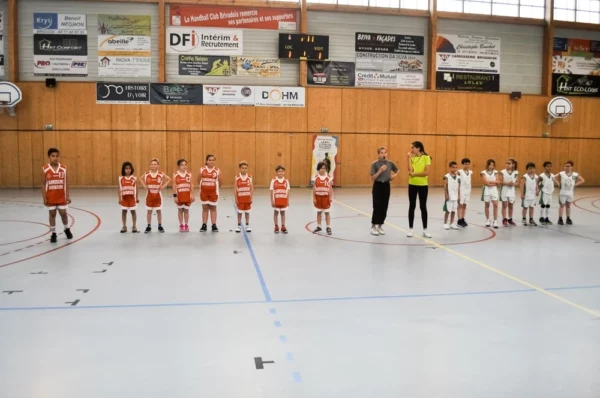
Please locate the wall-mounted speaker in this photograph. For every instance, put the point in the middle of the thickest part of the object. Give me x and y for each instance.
(50, 83)
(515, 95)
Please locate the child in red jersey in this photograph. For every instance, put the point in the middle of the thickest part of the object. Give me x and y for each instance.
(154, 181)
(128, 195)
(55, 193)
(243, 192)
(322, 196)
(280, 198)
(209, 179)
(183, 195)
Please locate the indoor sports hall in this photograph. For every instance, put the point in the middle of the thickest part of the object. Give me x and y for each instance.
(273, 199)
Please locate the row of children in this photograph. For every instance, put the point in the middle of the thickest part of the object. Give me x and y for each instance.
(502, 186)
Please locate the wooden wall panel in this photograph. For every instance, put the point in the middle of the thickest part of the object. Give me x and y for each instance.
(413, 112)
(229, 118)
(479, 150)
(9, 159)
(37, 108)
(589, 116)
(528, 116)
(25, 165)
(126, 147)
(349, 111)
(178, 147)
(488, 114)
(525, 150)
(39, 153)
(562, 150)
(288, 120)
(230, 148)
(76, 108)
(301, 159)
(372, 111)
(273, 150)
(102, 172)
(196, 152)
(451, 112)
(7, 122)
(184, 118)
(360, 150)
(588, 164)
(324, 109)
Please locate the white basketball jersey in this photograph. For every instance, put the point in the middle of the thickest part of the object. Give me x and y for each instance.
(547, 183)
(567, 183)
(465, 180)
(509, 177)
(453, 185)
(530, 186)
(487, 190)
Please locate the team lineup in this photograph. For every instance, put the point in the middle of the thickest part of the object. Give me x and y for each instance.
(497, 186)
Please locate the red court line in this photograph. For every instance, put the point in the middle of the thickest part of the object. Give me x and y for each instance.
(595, 205)
(25, 240)
(98, 223)
(492, 236)
(584, 209)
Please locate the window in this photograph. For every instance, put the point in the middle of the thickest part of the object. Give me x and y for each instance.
(507, 8)
(405, 4)
(587, 11)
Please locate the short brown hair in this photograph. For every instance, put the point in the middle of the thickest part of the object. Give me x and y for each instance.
(570, 162)
(243, 163)
(381, 148)
(154, 160)
(280, 167)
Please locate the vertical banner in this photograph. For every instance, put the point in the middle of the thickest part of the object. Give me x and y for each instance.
(468, 63)
(576, 67)
(60, 44)
(124, 46)
(1, 44)
(391, 61)
(324, 149)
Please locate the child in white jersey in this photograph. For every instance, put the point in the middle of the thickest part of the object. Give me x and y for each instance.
(490, 191)
(546, 183)
(529, 191)
(567, 180)
(465, 175)
(452, 191)
(509, 179)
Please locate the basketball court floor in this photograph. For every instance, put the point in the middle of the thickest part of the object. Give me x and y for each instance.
(512, 312)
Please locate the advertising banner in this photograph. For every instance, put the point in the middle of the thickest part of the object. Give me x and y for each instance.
(205, 41)
(122, 93)
(255, 66)
(234, 17)
(331, 73)
(59, 24)
(469, 62)
(175, 94)
(124, 25)
(386, 55)
(60, 55)
(324, 149)
(280, 96)
(122, 54)
(576, 67)
(204, 65)
(1, 44)
(228, 95)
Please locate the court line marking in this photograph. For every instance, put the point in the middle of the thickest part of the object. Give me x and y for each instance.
(28, 239)
(488, 267)
(261, 279)
(304, 300)
(583, 208)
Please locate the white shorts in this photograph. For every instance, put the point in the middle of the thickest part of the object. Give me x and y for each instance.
(57, 207)
(490, 198)
(186, 207)
(129, 208)
(208, 203)
(562, 199)
(509, 199)
(464, 197)
(153, 208)
(244, 211)
(545, 199)
(322, 210)
(450, 206)
(526, 203)
(280, 209)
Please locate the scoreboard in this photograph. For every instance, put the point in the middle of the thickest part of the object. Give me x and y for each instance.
(303, 46)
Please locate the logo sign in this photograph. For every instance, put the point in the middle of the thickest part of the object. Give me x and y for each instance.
(10, 95)
(280, 96)
(483, 82)
(52, 23)
(124, 25)
(228, 95)
(176, 94)
(576, 85)
(60, 65)
(122, 93)
(560, 107)
(385, 43)
(60, 45)
(204, 41)
(204, 65)
(331, 73)
(45, 21)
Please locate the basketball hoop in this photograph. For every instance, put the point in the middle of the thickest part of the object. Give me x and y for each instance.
(10, 96)
(559, 108)
(11, 109)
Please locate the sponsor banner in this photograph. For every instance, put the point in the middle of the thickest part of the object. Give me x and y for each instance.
(330, 73)
(124, 56)
(469, 54)
(1, 44)
(124, 66)
(60, 44)
(234, 17)
(175, 94)
(389, 80)
(280, 96)
(124, 25)
(467, 81)
(122, 93)
(228, 95)
(205, 41)
(255, 66)
(576, 85)
(401, 55)
(124, 45)
(59, 24)
(324, 149)
(60, 65)
(204, 65)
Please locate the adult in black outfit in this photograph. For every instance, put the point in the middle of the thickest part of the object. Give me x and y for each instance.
(382, 172)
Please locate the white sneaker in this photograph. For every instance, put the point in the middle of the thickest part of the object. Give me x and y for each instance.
(495, 223)
(380, 230)
(427, 235)
(409, 234)
(453, 226)
(446, 227)
(374, 231)
(238, 229)
(488, 223)
(248, 229)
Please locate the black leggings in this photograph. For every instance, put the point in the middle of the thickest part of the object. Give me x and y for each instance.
(413, 191)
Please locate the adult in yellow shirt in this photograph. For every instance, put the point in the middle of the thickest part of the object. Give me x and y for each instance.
(419, 163)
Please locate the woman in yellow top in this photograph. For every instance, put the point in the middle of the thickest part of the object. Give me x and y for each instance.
(419, 163)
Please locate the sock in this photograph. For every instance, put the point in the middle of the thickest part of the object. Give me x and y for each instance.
(53, 230)
(149, 225)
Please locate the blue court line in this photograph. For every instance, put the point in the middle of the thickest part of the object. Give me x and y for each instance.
(261, 279)
(305, 300)
(297, 378)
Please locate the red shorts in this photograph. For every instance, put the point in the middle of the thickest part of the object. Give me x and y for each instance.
(154, 202)
(128, 202)
(209, 198)
(244, 207)
(322, 203)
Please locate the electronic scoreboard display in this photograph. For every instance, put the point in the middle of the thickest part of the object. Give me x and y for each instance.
(302, 46)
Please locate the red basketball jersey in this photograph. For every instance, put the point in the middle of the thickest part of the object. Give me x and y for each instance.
(183, 186)
(153, 182)
(127, 186)
(56, 184)
(322, 185)
(280, 189)
(244, 188)
(209, 180)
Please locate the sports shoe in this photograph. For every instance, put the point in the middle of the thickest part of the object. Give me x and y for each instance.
(488, 223)
(542, 220)
(374, 231)
(560, 221)
(380, 230)
(427, 235)
(511, 222)
(569, 222)
(532, 222)
(409, 234)
(69, 234)
(496, 224)
(186, 228)
(318, 229)
(276, 229)
(524, 222)
(453, 226)
(204, 228)
(248, 229)
(460, 223)
(53, 237)
(214, 228)
(547, 221)
(446, 227)
(284, 229)
(328, 230)
(148, 229)
(161, 229)
(464, 223)
(505, 222)
(181, 228)
(238, 229)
